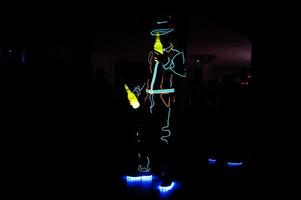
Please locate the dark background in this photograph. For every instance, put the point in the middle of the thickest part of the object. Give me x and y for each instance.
(62, 135)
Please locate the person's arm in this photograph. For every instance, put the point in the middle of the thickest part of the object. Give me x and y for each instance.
(176, 64)
(179, 61)
(139, 88)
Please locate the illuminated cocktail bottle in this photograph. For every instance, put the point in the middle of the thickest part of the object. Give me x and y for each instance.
(132, 98)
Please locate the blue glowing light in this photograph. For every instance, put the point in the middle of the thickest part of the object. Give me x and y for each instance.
(133, 179)
(234, 164)
(147, 178)
(163, 91)
(137, 90)
(168, 61)
(154, 75)
(211, 161)
(166, 189)
(161, 31)
(162, 22)
(171, 64)
(145, 181)
(138, 179)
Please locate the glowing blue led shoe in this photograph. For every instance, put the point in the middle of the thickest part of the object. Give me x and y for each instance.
(165, 179)
(142, 173)
(167, 186)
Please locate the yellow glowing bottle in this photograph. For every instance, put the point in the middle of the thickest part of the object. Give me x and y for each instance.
(158, 45)
(132, 98)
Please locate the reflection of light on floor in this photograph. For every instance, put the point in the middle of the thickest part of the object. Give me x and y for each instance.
(234, 164)
(211, 161)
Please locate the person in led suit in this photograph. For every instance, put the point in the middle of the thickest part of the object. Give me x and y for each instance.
(165, 64)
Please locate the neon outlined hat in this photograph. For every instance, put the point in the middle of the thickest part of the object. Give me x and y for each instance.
(162, 26)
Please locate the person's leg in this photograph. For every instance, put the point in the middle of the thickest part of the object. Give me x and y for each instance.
(145, 135)
(166, 138)
(143, 152)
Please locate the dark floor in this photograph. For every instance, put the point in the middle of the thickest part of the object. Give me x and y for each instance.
(64, 149)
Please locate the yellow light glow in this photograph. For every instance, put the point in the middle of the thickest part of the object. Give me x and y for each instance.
(132, 98)
(158, 45)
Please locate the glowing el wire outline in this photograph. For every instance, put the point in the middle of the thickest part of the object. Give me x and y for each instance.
(166, 64)
(167, 125)
(172, 64)
(161, 31)
(166, 104)
(170, 81)
(151, 99)
(154, 74)
(148, 57)
(138, 90)
(162, 22)
(162, 91)
(145, 169)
